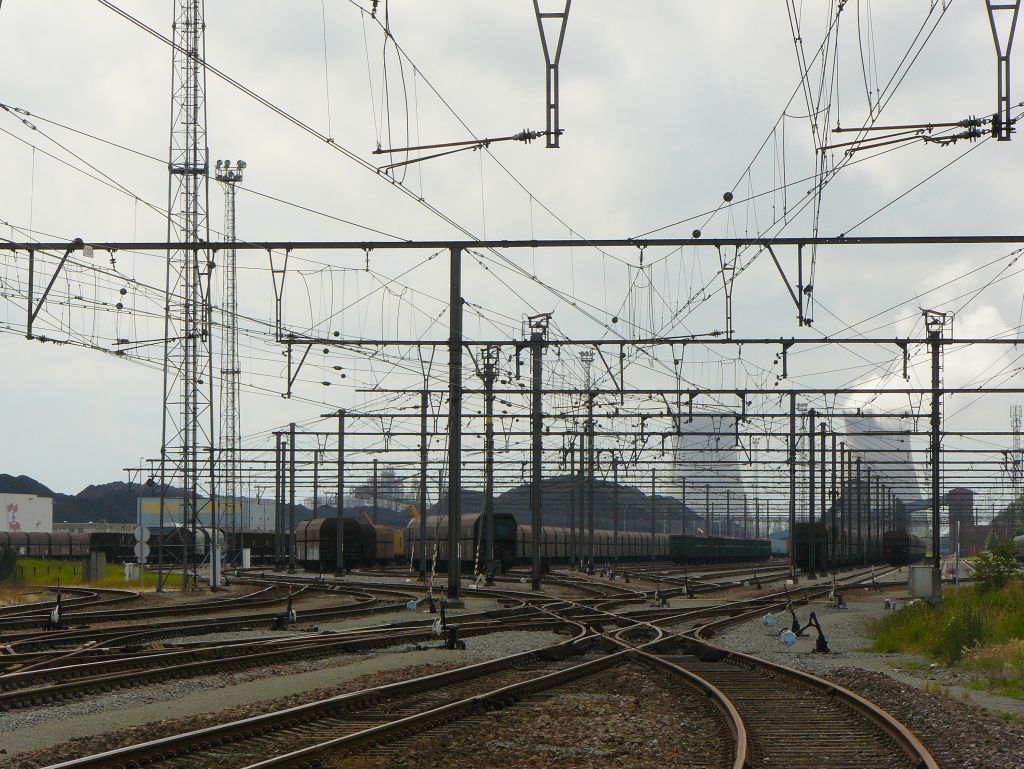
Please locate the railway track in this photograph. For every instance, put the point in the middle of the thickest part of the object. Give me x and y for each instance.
(783, 717)
(776, 716)
(73, 598)
(792, 718)
(382, 599)
(124, 661)
(59, 683)
(421, 701)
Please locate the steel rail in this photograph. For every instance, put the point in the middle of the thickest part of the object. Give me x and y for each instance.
(147, 752)
(19, 690)
(909, 744)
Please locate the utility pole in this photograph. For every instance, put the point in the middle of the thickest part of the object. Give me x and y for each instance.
(880, 510)
(707, 509)
(792, 485)
(424, 403)
(811, 539)
(490, 360)
(316, 478)
(587, 359)
(935, 321)
(682, 521)
(860, 531)
(728, 512)
(339, 543)
(581, 537)
(844, 466)
(455, 428)
(590, 478)
(835, 504)
(572, 504)
(615, 505)
(821, 456)
(291, 499)
(871, 541)
(373, 494)
(654, 511)
(278, 501)
(538, 333)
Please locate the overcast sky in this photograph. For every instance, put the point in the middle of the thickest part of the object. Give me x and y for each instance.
(665, 106)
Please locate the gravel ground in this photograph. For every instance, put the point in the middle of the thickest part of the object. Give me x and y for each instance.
(624, 718)
(964, 728)
(473, 605)
(233, 636)
(87, 745)
(33, 728)
(485, 647)
(959, 735)
(846, 632)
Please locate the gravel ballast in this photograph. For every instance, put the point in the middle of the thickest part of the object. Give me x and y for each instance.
(625, 718)
(260, 689)
(960, 734)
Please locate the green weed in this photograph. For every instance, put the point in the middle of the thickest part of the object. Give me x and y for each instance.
(976, 630)
(44, 571)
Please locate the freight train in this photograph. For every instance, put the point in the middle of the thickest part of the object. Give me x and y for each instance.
(689, 548)
(367, 546)
(900, 548)
(513, 543)
(896, 548)
(120, 546)
(40, 544)
(363, 544)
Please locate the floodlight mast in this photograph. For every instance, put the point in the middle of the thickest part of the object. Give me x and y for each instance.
(230, 371)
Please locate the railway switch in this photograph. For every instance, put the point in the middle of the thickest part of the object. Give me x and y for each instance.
(289, 617)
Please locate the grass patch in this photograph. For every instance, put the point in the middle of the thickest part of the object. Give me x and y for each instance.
(969, 619)
(1001, 667)
(45, 571)
(978, 631)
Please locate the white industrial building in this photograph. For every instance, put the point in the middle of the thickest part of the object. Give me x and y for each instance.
(247, 514)
(26, 512)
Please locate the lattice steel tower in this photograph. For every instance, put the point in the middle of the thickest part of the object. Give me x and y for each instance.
(187, 440)
(230, 366)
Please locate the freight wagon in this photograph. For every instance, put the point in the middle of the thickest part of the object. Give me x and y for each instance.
(900, 548)
(690, 548)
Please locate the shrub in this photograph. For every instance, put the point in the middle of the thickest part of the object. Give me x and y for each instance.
(994, 567)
